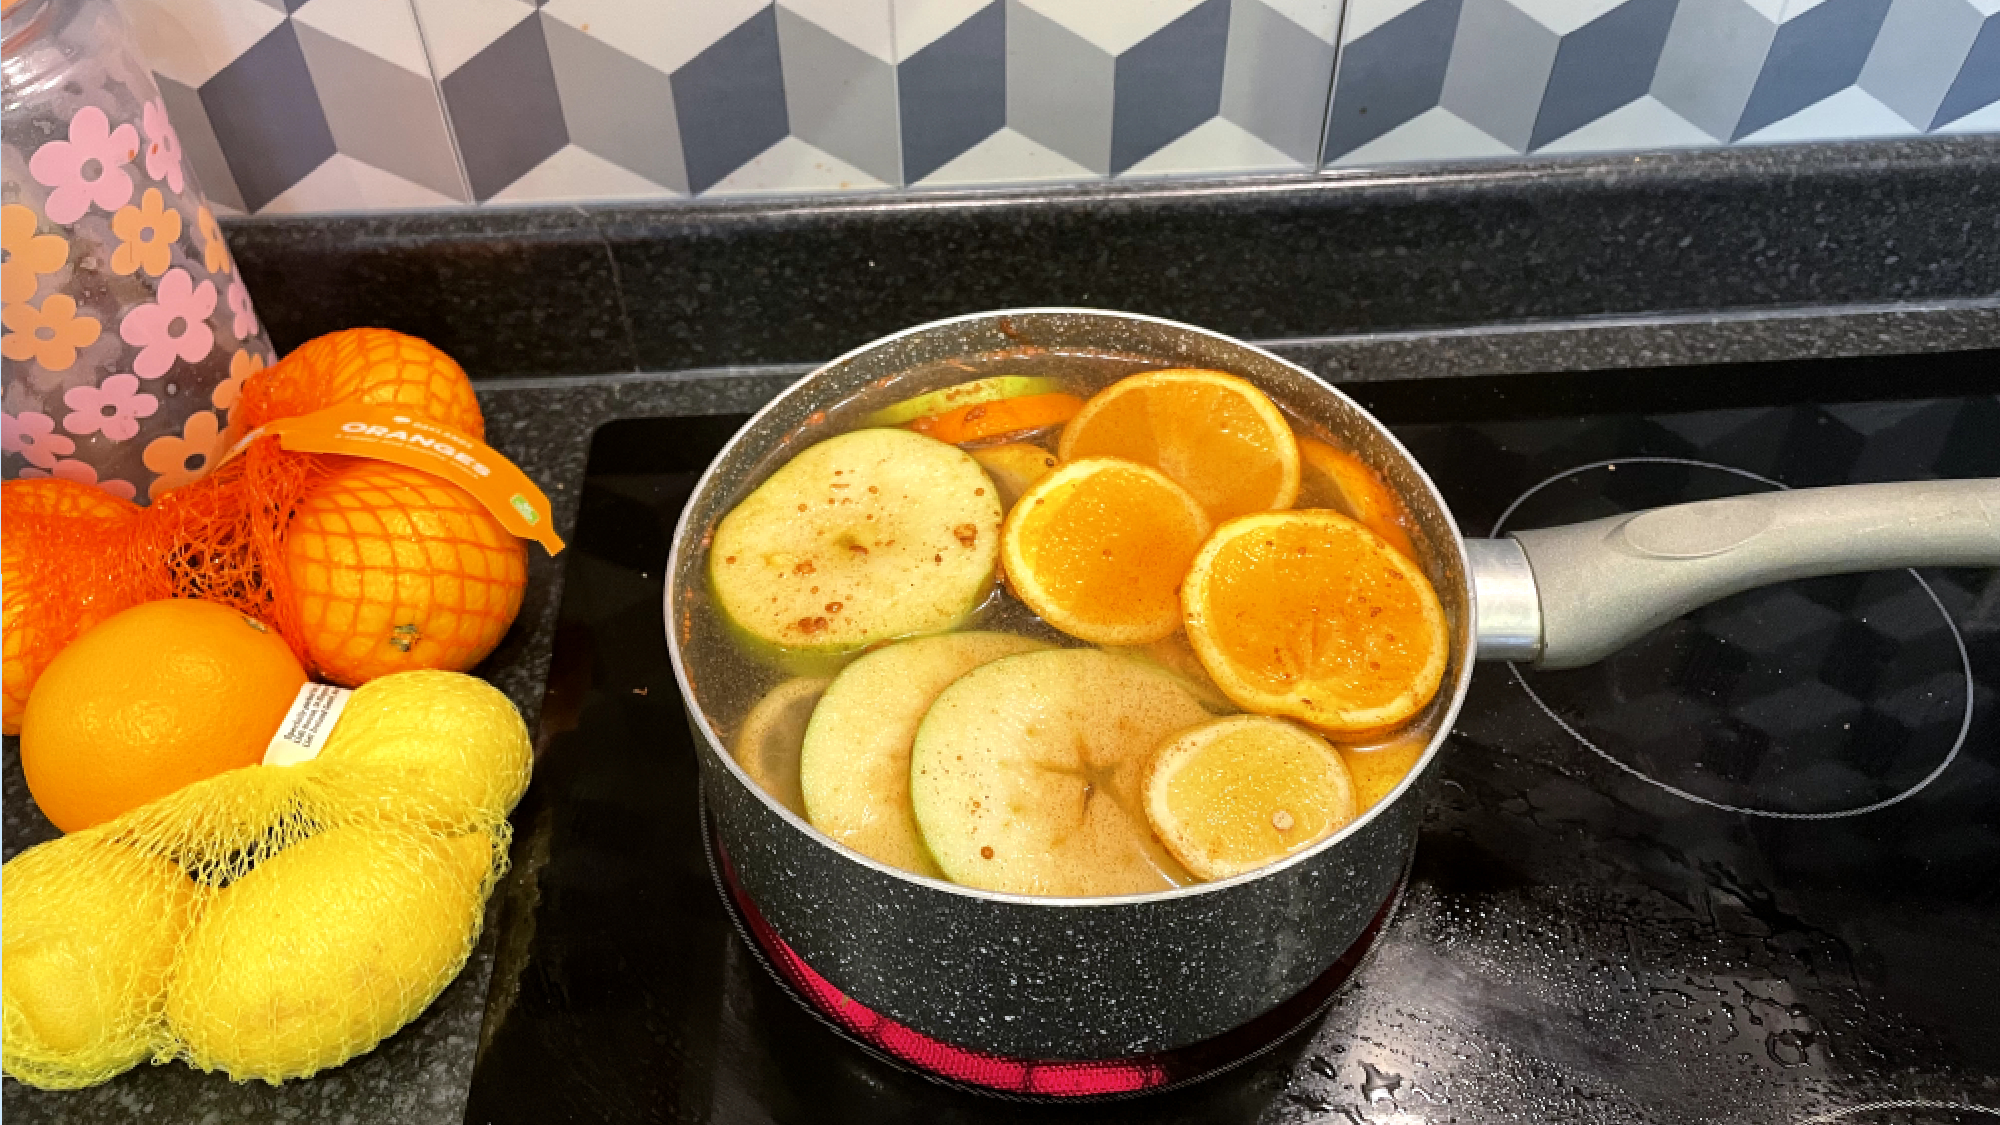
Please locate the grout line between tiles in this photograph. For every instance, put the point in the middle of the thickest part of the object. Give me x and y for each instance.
(1332, 83)
(896, 93)
(444, 106)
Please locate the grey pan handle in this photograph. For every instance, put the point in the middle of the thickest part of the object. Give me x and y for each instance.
(1564, 597)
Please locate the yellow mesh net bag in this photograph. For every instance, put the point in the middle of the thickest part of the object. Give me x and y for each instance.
(272, 921)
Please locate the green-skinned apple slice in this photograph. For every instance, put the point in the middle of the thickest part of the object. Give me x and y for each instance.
(866, 537)
(854, 769)
(1013, 467)
(972, 393)
(1027, 773)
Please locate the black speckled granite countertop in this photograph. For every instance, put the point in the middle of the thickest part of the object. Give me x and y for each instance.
(1877, 249)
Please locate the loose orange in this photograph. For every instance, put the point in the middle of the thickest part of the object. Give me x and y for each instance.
(1098, 547)
(157, 697)
(1233, 795)
(52, 536)
(1311, 615)
(1332, 478)
(393, 570)
(1214, 434)
(363, 365)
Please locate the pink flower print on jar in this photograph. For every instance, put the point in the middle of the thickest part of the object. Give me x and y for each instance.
(151, 327)
(82, 473)
(34, 436)
(112, 408)
(163, 145)
(244, 323)
(88, 168)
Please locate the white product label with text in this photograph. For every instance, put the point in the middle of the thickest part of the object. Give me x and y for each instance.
(306, 725)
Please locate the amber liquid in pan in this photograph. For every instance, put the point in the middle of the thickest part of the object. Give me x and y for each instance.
(729, 680)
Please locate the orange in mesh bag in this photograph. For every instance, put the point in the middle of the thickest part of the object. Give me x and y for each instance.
(364, 568)
(271, 921)
(56, 578)
(367, 365)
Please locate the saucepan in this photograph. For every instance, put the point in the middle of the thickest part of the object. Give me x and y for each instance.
(1117, 977)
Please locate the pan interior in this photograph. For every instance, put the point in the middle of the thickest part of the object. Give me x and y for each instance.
(1088, 349)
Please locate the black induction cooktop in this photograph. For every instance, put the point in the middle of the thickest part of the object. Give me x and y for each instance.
(1745, 872)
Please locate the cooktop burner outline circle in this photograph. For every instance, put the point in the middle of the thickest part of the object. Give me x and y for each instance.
(1906, 1103)
(1958, 639)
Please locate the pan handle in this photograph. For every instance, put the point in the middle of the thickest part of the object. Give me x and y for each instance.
(1564, 597)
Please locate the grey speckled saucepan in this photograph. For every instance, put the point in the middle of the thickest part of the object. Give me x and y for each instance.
(1066, 978)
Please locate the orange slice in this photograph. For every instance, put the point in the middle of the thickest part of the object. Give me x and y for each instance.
(1214, 434)
(1098, 548)
(1311, 615)
(997, 419)
(1332, 478)
(1238, 793)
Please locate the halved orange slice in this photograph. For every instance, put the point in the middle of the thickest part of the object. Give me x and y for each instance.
(1216, 435)
(1311, 615)
(1233, 795)
(1098, 548)
(1333, 478)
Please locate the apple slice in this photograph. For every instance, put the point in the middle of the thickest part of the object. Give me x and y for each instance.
(865, 537)
(991, 389)
(768, 745)
(1027, 773)
(854, 769)
(1176, 655)
(1013, 467)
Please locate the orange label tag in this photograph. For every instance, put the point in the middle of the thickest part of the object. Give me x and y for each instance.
(391, 433)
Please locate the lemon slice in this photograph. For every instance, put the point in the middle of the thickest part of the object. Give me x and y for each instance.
(1235, 794)
(768, 746)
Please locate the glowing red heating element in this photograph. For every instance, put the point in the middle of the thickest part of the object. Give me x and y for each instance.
(1055, 1078)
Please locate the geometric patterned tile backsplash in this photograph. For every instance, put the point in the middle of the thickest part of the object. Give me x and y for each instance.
(338, 105)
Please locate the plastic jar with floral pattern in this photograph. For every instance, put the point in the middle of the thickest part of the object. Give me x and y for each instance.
(128, 331)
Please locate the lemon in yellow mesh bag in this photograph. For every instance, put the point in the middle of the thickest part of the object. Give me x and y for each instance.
(271, 921)
(434, 748)
(264, 989)
(87, 960)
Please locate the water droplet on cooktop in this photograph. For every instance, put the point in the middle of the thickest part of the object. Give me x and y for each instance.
(1379, 1085)
(1789, 1047)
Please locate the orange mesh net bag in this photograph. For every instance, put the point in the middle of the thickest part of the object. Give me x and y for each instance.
(365, 568)
(56, 577)
(271, 921)
(367, 365)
